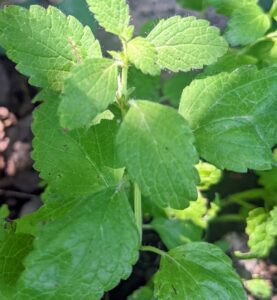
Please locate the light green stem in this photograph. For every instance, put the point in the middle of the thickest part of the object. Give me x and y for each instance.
(124, 82)
(138, 210)
(228, 218)
(243, 198)
(154, 250)
(124, 73)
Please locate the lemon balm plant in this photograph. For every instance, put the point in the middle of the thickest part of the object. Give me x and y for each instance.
(104, 153)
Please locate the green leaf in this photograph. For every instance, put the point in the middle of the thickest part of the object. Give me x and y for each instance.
(14, 248)
(192, 4)
(88, 92)
(74, 163)
(143, 293)
(197, 271)
(45, 43)
(146, 86)
(259, 288)
(83, 252)
(175, 232)
(161, 163)
(113, 15)
(273, 10)
(233, 117)
(227, 7)
(247, 24)
(143, 55)
(174, 86)
(262, 231)
(230, 62)
(186, 43)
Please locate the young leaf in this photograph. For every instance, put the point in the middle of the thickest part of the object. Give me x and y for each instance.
(197, 271)
(162, 163)
(143, 55)
(73, 163)
(262, 231)
(247, 24)
(45, 43)
(88, 91)
(209, 175)
(83, 252)
(146, 86)
(233, 116)
(197, 212)
(113, 15)
(186, 43)
(259, 288)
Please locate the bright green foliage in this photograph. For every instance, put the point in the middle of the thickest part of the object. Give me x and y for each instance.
(186, 43)
(98, 148)
(143, 293)
(143, 55)
(262, 231)
(197, 212)
(87, 155)
(95, 249)
(173, 87)
(45, 43)
(192, 4)
(259, 288)
(209, 175)
(197, 271)
(145, 143)
(247, 24)
(91, 87)
(176, 232)
(233, 117)
(145, 86)
(113, 15)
